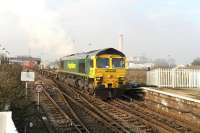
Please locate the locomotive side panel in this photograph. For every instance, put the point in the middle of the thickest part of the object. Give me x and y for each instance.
(70, 65)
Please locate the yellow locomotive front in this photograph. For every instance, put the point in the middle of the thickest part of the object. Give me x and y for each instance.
(110, 70)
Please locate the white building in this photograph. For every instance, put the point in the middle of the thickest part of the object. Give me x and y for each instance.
(139, 62)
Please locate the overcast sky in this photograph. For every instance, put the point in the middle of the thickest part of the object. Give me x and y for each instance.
(53, 28)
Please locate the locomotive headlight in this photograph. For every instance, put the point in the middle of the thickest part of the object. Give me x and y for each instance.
(99, 78)
(121, 78)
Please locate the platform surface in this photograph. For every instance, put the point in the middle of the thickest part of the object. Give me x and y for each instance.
(189, 94)
(186, 92)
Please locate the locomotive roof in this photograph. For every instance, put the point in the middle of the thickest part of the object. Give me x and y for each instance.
(93, 53)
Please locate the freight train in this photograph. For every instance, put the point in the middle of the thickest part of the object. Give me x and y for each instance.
(99, 72)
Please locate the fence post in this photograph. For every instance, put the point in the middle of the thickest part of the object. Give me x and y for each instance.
(173, 78)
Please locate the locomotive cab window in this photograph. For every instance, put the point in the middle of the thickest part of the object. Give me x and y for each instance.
(118, 63)
(102, 63)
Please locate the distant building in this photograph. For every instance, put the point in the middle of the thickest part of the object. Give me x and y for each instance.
(181, 66)
(139, 62)
(25, 61)
(140, 66)
(165, 63)
(142, 62)
(22, 59)
(140, 59)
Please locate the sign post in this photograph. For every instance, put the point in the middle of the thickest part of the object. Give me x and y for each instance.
(38, 89)
(27, 77)
(38, 103)
(26, 93)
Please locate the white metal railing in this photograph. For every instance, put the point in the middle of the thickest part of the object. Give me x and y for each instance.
(175, 78)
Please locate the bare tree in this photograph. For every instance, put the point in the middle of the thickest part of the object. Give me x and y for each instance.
(161, 62)
(196, 62)
(10, 84)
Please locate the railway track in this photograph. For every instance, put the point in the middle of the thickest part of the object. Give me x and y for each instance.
(176, 113)
(60, 121)
(59, 112)
(99, 125)
(76, 123)
(91, 120)
(182, 109)
(153, 107)
(83, 105)
(171, 125)
(114, 115)
(117, 115)
(143, 116)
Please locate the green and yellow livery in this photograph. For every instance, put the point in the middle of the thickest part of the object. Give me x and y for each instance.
(95, 71)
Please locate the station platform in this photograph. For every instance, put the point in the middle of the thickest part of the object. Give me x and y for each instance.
(185, 92)
(181, 103)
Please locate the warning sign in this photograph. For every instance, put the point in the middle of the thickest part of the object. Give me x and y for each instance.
(39, 88)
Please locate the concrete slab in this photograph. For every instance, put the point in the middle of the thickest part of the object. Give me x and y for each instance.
(6, 123)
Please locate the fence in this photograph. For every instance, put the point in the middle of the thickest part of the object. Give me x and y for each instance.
(175, 78)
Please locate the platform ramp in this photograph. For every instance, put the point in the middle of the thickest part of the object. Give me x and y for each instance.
(6, 123)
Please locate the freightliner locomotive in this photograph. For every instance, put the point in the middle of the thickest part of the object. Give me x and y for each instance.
(99, 72)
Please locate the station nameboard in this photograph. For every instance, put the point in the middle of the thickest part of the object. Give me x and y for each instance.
(27, 76)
